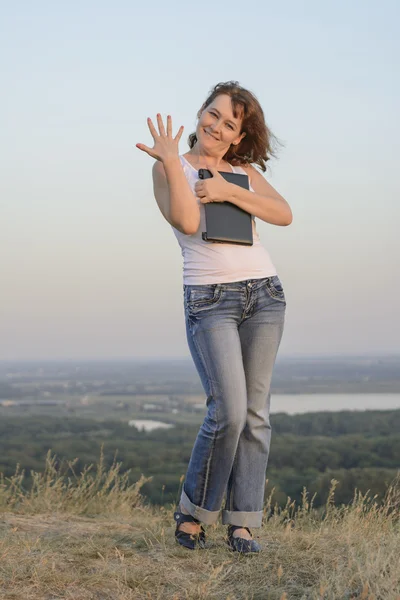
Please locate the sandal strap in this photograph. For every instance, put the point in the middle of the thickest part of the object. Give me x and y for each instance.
(180, 517)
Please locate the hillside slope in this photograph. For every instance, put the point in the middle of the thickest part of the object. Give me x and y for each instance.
(95, 538)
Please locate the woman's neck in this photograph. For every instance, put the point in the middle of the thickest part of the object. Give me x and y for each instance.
(204, 160)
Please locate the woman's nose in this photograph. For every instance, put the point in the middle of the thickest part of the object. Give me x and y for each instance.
(215, 128)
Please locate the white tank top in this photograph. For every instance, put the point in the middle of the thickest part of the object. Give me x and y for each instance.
(207, 262)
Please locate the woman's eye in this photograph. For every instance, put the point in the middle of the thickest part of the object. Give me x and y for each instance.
(215, 115)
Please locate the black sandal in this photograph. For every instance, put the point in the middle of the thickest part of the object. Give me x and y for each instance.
(189, 540)
(238, 544)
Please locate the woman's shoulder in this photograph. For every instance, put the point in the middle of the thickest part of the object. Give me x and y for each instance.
(247, 169)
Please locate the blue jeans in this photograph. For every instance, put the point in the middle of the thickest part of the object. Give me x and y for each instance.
(233, 331)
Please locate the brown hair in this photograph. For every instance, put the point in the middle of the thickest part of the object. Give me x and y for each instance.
(256, 146)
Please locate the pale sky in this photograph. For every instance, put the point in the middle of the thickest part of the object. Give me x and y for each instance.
(90, 268)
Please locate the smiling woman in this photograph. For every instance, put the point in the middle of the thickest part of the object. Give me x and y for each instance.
(234, 306)
(232, 109)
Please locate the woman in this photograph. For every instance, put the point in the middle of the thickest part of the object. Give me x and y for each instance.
(234, 309)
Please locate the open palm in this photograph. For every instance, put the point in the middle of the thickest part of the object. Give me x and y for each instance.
(165, 145)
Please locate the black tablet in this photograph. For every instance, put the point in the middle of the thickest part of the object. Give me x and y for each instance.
(226, 222)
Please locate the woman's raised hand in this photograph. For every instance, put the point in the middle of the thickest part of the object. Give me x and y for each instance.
(165, 145)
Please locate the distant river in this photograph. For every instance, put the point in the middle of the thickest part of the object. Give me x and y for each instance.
(303, 403)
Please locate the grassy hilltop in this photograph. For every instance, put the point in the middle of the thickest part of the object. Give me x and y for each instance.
(92, 536)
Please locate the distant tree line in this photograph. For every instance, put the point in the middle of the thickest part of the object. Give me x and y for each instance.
(359, 449)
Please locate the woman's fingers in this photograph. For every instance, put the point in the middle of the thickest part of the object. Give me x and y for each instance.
(199, 185)
(161, 128)
(160, 124)
(164, 143)
(153, 130)
(169, 126)
(179, 134)
(146, 149)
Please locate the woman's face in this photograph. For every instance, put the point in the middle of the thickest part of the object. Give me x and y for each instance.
(217, 127)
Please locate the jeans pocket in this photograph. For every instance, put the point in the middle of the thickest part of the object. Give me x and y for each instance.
(202, 296)
(275, 288)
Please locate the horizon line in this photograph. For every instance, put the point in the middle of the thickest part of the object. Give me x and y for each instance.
(318, 356)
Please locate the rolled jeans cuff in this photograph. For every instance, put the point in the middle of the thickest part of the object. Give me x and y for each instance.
(209, 517)
(245, 519)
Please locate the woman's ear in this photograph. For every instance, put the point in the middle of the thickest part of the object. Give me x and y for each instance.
(240, 139)
(200, 111)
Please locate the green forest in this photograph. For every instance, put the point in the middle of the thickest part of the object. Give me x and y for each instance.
(359, 449)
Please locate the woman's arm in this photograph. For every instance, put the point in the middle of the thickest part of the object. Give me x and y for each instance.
(174, 196)
(265, 203)
(172, 191)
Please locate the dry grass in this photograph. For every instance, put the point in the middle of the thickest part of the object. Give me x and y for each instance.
(93, 537)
